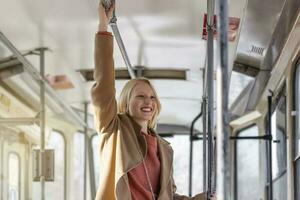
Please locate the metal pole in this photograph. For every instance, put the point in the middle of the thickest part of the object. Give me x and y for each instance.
(235, 181)
(19, 121)
(263, 137)
(92, 172)
(85, 153)
(191, 151)
(114, 27)
(210, 90)
(223, 168)
(269, 149)
(204, 104)
(42, 121)
(89, 156)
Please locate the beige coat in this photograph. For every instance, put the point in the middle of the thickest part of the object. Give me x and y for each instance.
(121, 144)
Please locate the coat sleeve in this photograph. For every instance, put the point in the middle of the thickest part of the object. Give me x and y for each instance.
(201, 196)
(103, 91)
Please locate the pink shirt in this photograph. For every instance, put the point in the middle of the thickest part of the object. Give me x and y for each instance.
(137, 177)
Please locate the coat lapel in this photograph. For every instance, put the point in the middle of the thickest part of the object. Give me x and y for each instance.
(141, 139)
(166, 161)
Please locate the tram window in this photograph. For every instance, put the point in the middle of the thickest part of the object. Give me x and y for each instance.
(78, 166)
(13, 176)
(180, 145)
(279, 151)
(56, 189)
(279, 137)
(95, 145)
(247, 152)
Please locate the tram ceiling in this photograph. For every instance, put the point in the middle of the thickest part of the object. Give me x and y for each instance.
(158, 36)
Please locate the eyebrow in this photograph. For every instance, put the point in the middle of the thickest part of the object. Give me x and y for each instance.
(139, 93)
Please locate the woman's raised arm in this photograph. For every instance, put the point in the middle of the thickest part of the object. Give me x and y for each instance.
(103, 91)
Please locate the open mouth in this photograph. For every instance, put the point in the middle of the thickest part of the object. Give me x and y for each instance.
(146, 109)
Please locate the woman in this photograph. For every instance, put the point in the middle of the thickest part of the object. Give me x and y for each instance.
(135, 162)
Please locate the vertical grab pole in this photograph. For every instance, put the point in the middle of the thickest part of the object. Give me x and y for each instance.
(88, 160)
(191, 151)
(89, 156)
(269, 148)
(223, 168)
(210, 90)
(85, 155)
(42, 121)
(204, 104)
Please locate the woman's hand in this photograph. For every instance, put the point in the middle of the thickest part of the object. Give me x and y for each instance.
(104, 16)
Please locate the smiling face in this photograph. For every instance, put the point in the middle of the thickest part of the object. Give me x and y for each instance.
(138, 98)
(142, 103)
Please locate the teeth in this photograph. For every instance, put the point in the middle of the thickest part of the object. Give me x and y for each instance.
(147, 109)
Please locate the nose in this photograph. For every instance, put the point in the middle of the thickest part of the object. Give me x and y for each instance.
(148, 100)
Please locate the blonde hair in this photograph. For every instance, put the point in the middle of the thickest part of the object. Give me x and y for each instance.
(123, 105)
